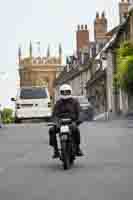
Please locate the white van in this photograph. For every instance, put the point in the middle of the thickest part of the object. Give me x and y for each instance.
(32, 102)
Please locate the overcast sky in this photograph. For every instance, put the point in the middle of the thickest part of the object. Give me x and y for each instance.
(48, 21)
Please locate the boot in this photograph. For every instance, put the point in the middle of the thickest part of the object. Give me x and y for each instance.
(56, 153)
(79, 151)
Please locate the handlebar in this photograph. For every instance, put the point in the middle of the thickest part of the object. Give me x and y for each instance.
(51, 124)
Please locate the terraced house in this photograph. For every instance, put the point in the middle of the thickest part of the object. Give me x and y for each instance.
(91, 72)
(108, 99)
(78, 69)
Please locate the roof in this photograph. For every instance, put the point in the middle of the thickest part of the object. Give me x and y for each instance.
(100, 74)
(66, 76)
(116, 32)
(107, 46)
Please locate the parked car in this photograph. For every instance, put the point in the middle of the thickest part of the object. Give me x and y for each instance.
(32, 103)
(86, 108)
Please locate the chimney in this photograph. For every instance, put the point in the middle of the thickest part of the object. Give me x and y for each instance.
(100, 27)
(82, 38)
(123, 9)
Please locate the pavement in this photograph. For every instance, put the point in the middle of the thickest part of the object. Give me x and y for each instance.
(105, 116)
(27, 171)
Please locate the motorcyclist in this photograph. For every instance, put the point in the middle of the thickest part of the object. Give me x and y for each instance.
(65, 104)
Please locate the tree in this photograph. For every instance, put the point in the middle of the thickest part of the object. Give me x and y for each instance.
(124, 75)
(7, 115)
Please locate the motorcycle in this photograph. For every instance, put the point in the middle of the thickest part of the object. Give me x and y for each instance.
(66, 144)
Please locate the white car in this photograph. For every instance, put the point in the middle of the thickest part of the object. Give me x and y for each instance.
(32, 102)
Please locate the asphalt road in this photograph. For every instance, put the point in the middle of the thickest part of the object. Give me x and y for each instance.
(27, 171)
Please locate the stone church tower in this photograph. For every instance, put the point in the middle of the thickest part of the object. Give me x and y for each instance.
(39, 71)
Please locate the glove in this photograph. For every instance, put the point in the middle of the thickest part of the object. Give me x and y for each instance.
(79, 122)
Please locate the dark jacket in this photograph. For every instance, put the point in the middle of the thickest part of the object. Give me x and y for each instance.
(70, 106)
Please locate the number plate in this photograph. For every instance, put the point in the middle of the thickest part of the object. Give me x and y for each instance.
(84, 108)
(64, 129)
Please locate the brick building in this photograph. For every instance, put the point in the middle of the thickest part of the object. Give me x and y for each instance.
(82, 39)
(78, 70)
(108, 99)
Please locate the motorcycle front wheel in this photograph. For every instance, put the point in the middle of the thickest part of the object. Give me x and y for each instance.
(65, 156)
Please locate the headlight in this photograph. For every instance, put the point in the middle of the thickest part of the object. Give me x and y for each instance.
(64, 129)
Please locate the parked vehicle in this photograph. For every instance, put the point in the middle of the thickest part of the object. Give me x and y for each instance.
(32, 102)
(86, 108)
(66, 144)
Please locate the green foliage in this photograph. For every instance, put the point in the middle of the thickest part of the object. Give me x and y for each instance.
(7, 115)
(126, 49)
(124, 76)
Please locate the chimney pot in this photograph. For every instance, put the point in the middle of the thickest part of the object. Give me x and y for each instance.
(86, 27)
